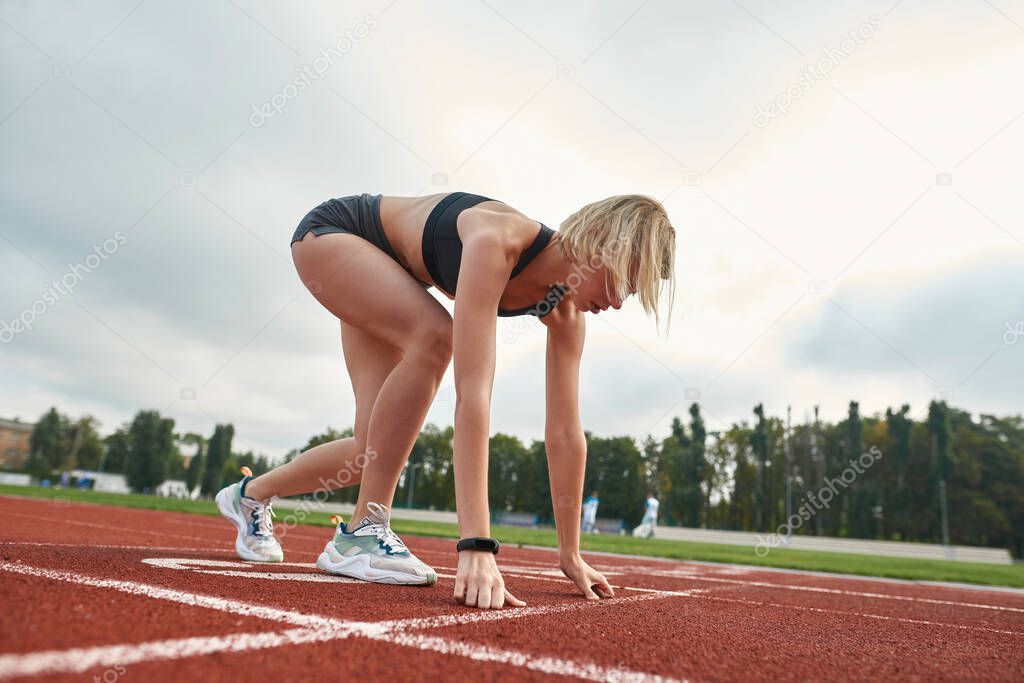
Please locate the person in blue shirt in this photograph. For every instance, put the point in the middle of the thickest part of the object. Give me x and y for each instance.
(590, 513)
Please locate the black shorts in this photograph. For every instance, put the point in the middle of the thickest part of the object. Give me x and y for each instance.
(356, 215)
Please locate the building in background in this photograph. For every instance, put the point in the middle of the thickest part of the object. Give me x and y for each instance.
(14, 443)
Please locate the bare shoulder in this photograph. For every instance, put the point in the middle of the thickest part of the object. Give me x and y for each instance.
(497, 222)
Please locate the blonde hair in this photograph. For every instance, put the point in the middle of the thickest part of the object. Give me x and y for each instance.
(621, 232)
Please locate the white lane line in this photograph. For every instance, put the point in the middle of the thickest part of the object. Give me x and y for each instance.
(865, 615)
(549, 665)
(475, 616)
(454, 620)
(172, 548)
(315, 629)
(197, 600)
(107, 527)
(243, 569)
(78, 660)
(837, 591)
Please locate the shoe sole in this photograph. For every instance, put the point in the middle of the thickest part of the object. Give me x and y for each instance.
(358, 567)
(227, 510)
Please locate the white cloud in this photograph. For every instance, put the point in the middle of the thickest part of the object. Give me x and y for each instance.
(200, 289)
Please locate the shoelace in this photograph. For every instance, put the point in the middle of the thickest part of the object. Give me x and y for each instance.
(382, 530)
(261, 514)
(388, 537)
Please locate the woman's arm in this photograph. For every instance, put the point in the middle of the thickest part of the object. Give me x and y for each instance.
(486, 265)
(566, 445)
(563, 433)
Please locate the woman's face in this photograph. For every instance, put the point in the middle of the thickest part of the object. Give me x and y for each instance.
(595, 293)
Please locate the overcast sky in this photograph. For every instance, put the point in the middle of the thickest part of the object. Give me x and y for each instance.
(844, 178)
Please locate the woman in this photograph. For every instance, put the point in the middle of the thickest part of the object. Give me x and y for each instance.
(369, 260)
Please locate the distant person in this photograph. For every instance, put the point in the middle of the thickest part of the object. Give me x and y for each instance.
(590, 513)
(369, 260)
(650, 518)
(651, 512)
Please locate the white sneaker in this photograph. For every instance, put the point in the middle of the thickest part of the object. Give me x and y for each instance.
(255, 541)
(373, 552)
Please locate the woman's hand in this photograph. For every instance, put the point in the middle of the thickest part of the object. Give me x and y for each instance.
(478, 582)
(590, 581)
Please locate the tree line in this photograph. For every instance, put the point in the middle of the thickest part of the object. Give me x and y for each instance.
(763, 475)
(147, 451)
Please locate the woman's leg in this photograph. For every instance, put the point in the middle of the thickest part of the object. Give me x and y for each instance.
(337, 464)
(368, 291)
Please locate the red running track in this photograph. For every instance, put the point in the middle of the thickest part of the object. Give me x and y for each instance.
(105, 593)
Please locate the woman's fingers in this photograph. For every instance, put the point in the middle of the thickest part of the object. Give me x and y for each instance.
(513, 600)
(483, 600)
(604, 588)
(498, 597)
(588, 591)
(472, 591)
(460, 589)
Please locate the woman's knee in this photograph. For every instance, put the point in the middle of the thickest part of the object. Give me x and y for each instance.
(432, 347)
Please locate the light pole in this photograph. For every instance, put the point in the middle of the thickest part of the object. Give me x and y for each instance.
(412, 482)
(944, 509)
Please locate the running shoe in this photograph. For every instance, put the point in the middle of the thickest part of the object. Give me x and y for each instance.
(371, 551)
(255, 541)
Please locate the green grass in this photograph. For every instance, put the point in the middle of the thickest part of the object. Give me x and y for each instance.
(867, 565)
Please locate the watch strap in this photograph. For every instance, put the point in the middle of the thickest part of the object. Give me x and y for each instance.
(490, 545)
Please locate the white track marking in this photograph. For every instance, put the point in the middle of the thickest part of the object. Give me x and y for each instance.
(246, 570)
(144, 590)
(905, 620)
(314, 629)
(242, 570)
(837, 591)
(172, 548)
(119, 529)
(548, 665)
(78, 660)
(475, 616)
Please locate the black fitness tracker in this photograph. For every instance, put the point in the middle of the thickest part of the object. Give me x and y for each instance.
(489, 544)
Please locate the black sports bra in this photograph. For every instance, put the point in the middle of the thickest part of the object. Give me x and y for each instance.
(442, 252)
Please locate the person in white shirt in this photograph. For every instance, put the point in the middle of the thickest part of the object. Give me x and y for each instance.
(650, 519)
(590, 513)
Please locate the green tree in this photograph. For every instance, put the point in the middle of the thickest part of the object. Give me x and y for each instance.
(430, 470)
(653, 468)
(152, 445)
(615, 468)
(117, 446)
(504, 464)
(674, 471)
(859, 497)
(87, 445)
(898, 426)
(735, 444)
(534, 492)
(693, 485)
(50, 445)
(218, 450)
(196, 465)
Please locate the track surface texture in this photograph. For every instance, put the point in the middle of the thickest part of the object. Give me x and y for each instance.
(91, 592)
